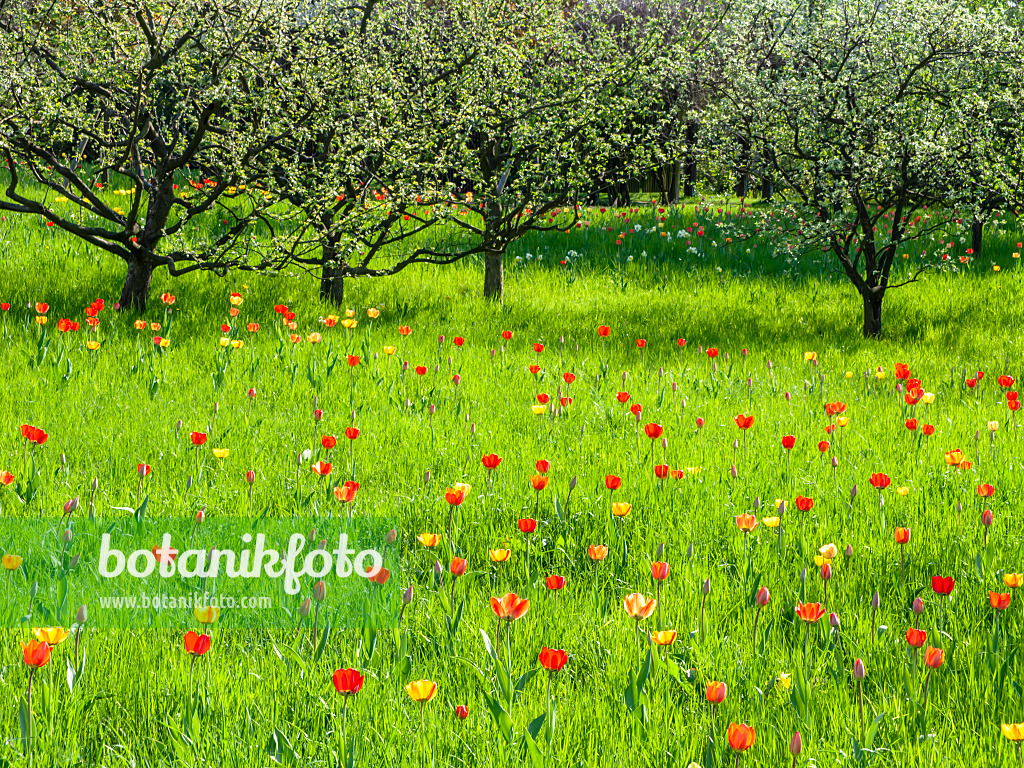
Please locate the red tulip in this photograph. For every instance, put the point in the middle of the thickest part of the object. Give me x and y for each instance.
(534, 369)
(641, 343)
(928, 430)
(636, 409)
(347, 681)
(555, 582)
(197, 644)
(527, 525)
(462, 711)
(553, 660)
(328, 441)
(353, 360)
(823, 446)
(491, 461)
(569, 377)
(715, 692)
(902, 371)
(659, 570)
(539, 482)
(653, 431)
(458, 341)
(943, 586)
(346, 492)
(351, 432)
(788, 442)
(934, 657)
(622, 397)
(543, 398)
(506, 335)
(998, 600)
(916, 637)
(712, 352)
(543, 465)
(880, 480)
(661, 471)
(603, 330)
(322, 468)
(741, 736)
(458, 566)
(197, 438)
(1005, 381)
(612, 483)
(902, 535)
(421, 370)
(143, 470)
(538, 348)
(985, 490)
(744, 422)
(804, 503)
(911, 424)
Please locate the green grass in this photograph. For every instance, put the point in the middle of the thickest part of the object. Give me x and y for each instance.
(104, 415)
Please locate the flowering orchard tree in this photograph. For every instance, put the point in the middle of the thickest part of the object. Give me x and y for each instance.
(865, 114)
(168, 105)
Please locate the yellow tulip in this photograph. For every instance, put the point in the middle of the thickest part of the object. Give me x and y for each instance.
(421, 690)
(828, 551)
(224, 341)
(809, 356)
(1013, 731)
(207, 615)
(51, 635)
(903, 490)
(93, 345)
(11, 562)
(429, 539)
(221, 453)
(538, 408)
(237, 344)
(842, 421)
(165, 343)
(771, 522)
(390, 350)
(350, 313)
(314, 338)
(349, 323)
(621, 508)
(1013, 580)
(928, 398)
(499, 555)
(373, 313)
(849, 374)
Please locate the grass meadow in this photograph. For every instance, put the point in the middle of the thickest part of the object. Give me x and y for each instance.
(787, 335)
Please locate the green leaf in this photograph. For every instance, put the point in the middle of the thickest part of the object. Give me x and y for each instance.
(536, 758)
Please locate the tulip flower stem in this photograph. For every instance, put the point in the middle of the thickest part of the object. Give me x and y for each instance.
(756, 617)
(703, 600)
(860, 703)
(927, 680)
(316, 623)
(658, 588)
(28, 695)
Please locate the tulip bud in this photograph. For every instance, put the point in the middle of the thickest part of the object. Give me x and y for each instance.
(659, 555)
(68, 536)
(623, 376)
(33, 590)
(826, 571)
(95, 483)
(431, 409)
(492, 351)
(789, 397)
(426, 478)
(472, 428)
(320, 591)
(700, 423)
(311, 536)
(706, 586)
(440, 340)
(763, 597)
(405, 366)
(853, 492)
(835, 461)
(450, 362)
(82, 615)
(803, 575)
(73, 563)
(318, 415)
(858, 669)
(250, 477)
(72, 505)
(986, 518)
(188, 483)
(177, 427)
(876, 600)
(216, 408)
(251, 393)
(770, 366)
(735, 444)
(307, 455)
(689, 551)
(462, 711)
(438, 569)
(572, 483)
(750, 382)
(757, 503)
(304, 607)
(732, 470)
(201, 515)
(437, 368)
(391, 536)
(322, 544)
(675, 386)
(848, 552)
(661, 372)
(407, 595)
(796, 745)
(833, 620)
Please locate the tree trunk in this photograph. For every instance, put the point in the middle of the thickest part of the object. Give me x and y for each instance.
(332, 285)
(494, 275)
(767, 190)
(676, 173)
(136, 286)
(872, 314)
(976, 229)
(690, 166)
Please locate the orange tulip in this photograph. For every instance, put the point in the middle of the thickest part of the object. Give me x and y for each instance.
(810, 612)
(934, 657)
(659, 571)
(455, 496)
(499, 555)
(638, 606)
(197, 644)
(999, 601)
(429, 539)
(322, 468)
(902, 535)
(539, 482)
(664, 637)
(715, 692)
(597, 551)
(744, 422)
(458, 566)
(510, 607)
(746, 523)
(741, 737)
(35, 653)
